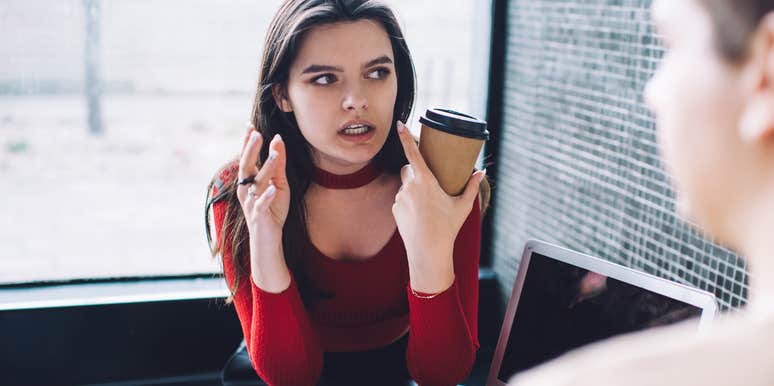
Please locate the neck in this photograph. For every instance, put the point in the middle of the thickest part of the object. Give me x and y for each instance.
(756, 243)
(336, 166)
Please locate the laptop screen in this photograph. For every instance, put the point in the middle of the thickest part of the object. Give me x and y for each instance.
(563, 307)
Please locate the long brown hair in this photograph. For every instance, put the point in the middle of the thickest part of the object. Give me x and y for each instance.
(292, 21)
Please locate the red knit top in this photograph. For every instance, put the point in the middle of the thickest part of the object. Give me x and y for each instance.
(359, 305)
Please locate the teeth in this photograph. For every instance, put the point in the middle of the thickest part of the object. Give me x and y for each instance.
(356, 129)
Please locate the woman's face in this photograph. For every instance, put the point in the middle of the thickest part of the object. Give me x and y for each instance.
(342, 88)
(698, 99)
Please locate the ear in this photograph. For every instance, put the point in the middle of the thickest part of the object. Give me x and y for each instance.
(281, 98)
(757, 120)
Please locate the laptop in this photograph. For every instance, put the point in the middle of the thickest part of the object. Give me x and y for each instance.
(562, 300)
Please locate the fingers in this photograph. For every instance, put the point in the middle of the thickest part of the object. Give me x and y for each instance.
(406, 174)
(250, 129)
(270, 175)
(268, 169)
(258, 202)
(279, 177)
(471, 189)
(263, 202)
(412, 150)
(248, 163)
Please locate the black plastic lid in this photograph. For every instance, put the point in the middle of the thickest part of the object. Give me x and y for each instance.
(456, 123)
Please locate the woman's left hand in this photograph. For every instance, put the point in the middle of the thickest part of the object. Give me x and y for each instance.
(429, 219)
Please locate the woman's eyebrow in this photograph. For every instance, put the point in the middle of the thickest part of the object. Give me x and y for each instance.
(321, 68)
(384, 59)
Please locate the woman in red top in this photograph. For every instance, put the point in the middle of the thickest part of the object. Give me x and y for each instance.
(334, 235)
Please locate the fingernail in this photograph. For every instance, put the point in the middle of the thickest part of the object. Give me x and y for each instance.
(253, 136)
(401, 126)
(270, 190)
(272, 155)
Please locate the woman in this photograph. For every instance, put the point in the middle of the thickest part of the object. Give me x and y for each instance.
(341, 240)
(713, 96)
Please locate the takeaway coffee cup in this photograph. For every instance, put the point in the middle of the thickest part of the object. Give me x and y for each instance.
(450, 142)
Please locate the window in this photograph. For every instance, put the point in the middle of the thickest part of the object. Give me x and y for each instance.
(114, 115)
(579, 160)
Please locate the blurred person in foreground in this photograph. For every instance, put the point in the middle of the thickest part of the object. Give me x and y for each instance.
(713, 97)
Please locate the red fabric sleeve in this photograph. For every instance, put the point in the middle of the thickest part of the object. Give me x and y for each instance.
(444, 329)
(281, 342)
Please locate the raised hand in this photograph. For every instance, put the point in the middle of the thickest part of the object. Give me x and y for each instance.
(264, 195)
(429, 219)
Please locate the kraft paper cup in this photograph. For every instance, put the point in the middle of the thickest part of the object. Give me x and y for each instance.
(450, 143)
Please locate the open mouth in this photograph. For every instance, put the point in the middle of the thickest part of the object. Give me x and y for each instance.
(356, 129)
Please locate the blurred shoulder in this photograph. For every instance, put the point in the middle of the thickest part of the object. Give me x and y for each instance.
(678, 354)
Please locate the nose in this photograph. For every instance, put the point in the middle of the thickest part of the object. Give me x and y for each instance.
(354, 100)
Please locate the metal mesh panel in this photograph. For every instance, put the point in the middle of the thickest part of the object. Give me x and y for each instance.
(579, 162)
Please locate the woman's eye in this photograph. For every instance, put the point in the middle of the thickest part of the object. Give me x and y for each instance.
(324, 79)
(378, 73)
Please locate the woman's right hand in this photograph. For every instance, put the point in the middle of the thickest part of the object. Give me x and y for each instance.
(266, 201)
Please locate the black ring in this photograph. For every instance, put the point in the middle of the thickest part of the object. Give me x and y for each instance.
(248, 180)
